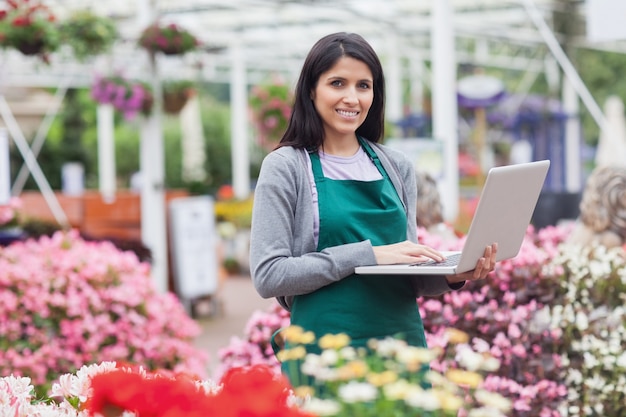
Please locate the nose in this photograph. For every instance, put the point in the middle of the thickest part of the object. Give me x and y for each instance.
(350, 96)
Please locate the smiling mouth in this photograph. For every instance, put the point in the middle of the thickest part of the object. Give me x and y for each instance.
(347, 113)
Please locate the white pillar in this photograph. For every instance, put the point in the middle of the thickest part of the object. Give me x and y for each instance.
(106, 152)
(416, 81)
(573, 139)
(192, 141)
(5, 168)
(152, 168)
(240, 153)
(393, 79)
(445, 112)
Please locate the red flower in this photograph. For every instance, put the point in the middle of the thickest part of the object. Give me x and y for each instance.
(255, 391)
(21, 21)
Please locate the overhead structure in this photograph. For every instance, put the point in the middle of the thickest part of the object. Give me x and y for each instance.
(275, 35)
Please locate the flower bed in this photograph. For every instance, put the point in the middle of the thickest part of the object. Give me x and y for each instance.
(66, 302)
(392, 388)
(553, 317)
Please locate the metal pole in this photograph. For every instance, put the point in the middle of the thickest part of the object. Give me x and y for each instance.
(565, 63)
(240, 153)
(5, 168)
(40, 137)
(31, 163)
(444, 103)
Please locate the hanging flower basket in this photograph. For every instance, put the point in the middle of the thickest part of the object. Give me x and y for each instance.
(127, 96)
(271, 109)
(176, 94)
(169, 39)
(31, 48)
(88, 34)
(28, 27)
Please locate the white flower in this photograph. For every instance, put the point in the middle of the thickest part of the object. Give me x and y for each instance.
(427, 400)
(321, 407)
(354, 392)
(485, 412)
(401, 389)
(582, 322)
(493, 400)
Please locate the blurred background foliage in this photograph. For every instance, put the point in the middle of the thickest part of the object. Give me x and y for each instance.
(73, 137)
(73, 134)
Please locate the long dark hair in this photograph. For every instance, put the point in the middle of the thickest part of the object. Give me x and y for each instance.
(305, 128)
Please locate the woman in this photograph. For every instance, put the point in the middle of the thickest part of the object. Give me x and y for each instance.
(330, 198)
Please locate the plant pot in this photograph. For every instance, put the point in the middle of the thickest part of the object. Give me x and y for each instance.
(174, 102)
(31, 48)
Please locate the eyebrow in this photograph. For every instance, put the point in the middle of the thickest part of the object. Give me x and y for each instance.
(337, 77)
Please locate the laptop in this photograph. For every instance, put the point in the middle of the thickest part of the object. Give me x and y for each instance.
(504, 211)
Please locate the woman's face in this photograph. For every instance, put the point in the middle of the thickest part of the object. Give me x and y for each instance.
(342, 97)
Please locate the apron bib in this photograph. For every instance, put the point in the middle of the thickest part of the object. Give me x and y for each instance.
(361, 306)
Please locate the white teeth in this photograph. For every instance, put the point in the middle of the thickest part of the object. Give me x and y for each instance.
(347, 113)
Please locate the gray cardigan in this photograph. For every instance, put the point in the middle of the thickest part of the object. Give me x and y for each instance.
(284, 261)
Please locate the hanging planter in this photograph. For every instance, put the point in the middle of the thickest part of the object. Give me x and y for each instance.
(271, 110)
(127, 96)
(28, 27)
(88, 34)
(176, 94)
(168, 39)
(31, 48)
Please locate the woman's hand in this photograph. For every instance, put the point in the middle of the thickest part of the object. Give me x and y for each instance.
(485, 265)
(405, 252)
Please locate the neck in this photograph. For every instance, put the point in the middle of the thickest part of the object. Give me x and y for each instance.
(347, 146)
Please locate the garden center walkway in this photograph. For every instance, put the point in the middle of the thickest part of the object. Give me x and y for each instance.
(237, 300)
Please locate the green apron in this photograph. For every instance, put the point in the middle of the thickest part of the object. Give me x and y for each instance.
(361, 306)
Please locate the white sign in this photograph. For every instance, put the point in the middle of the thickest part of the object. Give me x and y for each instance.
(605, 20)
(426, 154)
(194, 246)
(5, 168)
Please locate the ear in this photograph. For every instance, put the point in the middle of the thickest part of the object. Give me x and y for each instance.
(312, 95)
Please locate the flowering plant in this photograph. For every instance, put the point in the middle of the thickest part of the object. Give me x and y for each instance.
(112, 389)
(128, 97)
(66, 302)
(29, 27)
(170, 39)
(9, 213)
(88, 34)
(553, 317)
(389, 378)
(271, 110)
(175, 95)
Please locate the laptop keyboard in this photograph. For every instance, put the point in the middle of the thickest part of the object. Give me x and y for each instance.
(451, 260)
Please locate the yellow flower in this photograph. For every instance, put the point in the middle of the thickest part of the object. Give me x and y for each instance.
(304, 391)
(382, 378)
(448, 401)
(465, 378)
(297, 335)
(297, 352)
(401, 389)
(334, 341)
(456, 336)
(352, 370)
